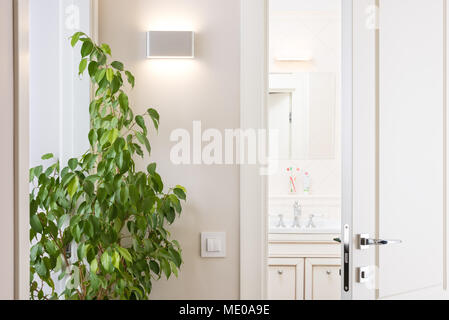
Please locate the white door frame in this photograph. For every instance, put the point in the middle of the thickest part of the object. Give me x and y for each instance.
(253, 187)
(21, 144)
(21, 151)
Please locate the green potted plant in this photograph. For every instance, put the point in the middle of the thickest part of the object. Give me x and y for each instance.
(81, 215)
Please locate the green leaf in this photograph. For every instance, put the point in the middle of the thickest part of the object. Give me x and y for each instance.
(93, 67)
(73, 186)
(166, 268)
(123, 100)
(125, 254)
(180, 193)
(36, 224)
(109, 74)
(76, 233)
(35, 252)
(100, 75)
(182, 188)
(93, 137)
(106, 262)
(116, 260)
(170, 215)
(89, 229)
(89, 187)
(155, 117)
(151, 168)
(94, 266)
(87, 48)
(141, 223)
(38, 171)
(47, 156)
(73, 164)
(41, 269)
(144, 140)
(83, 66)
(141, 123)
(112, 136)
(174, 268)
(62, 220)
(115, 85)
(154, 267)
(156, 178)
(106, 48)
(131, 79)
(75, 38)
(31, 175)
(117, 65)
(175, 203)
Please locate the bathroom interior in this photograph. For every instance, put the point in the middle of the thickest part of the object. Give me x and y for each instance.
(304, 121)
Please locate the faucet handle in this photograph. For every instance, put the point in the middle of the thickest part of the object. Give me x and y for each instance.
(281, 223)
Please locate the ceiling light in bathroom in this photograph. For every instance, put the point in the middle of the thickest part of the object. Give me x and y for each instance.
(294, 59)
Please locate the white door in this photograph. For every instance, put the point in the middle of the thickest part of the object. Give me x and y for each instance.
(395, 149)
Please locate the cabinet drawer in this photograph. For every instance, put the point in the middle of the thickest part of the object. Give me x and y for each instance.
(285, 279)
(323, 280)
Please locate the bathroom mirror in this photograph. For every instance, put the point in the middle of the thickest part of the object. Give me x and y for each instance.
(301, 116)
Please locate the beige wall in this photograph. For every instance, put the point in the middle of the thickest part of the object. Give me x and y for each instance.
(7, 158)
(206, 89)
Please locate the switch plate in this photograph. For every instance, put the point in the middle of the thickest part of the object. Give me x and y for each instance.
(213, 244)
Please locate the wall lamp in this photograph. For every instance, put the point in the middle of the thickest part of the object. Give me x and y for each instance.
(170, 44)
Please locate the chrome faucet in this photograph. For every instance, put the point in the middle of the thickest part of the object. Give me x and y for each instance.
(297, 212)
(311, 224)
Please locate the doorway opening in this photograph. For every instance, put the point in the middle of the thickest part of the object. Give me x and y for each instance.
(304, 195)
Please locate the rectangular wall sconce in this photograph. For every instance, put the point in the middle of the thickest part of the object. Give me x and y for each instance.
(170, 44)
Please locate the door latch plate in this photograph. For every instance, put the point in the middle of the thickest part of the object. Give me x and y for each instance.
(363, 274)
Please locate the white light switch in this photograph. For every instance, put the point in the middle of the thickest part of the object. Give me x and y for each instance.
(213, 244)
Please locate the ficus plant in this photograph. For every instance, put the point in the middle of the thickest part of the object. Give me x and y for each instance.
(99, 225)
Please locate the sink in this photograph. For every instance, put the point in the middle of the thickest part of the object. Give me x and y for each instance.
(323, 226)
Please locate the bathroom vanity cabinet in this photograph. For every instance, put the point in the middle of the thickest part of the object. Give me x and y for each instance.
(304, 267)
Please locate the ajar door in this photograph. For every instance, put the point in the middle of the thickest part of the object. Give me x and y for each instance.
(395, 149)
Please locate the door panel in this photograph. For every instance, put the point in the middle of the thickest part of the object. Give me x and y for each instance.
(411, 145)
(399, 147)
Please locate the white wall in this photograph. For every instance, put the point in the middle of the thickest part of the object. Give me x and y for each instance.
(7, 147)
(59, 100)
(206, 89)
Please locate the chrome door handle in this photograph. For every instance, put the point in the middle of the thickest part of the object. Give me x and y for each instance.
(365, 242)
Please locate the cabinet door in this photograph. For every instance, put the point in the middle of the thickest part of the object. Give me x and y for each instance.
(286, 279)
(322, 279)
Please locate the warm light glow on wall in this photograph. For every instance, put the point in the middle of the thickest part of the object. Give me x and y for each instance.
(171, 24)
